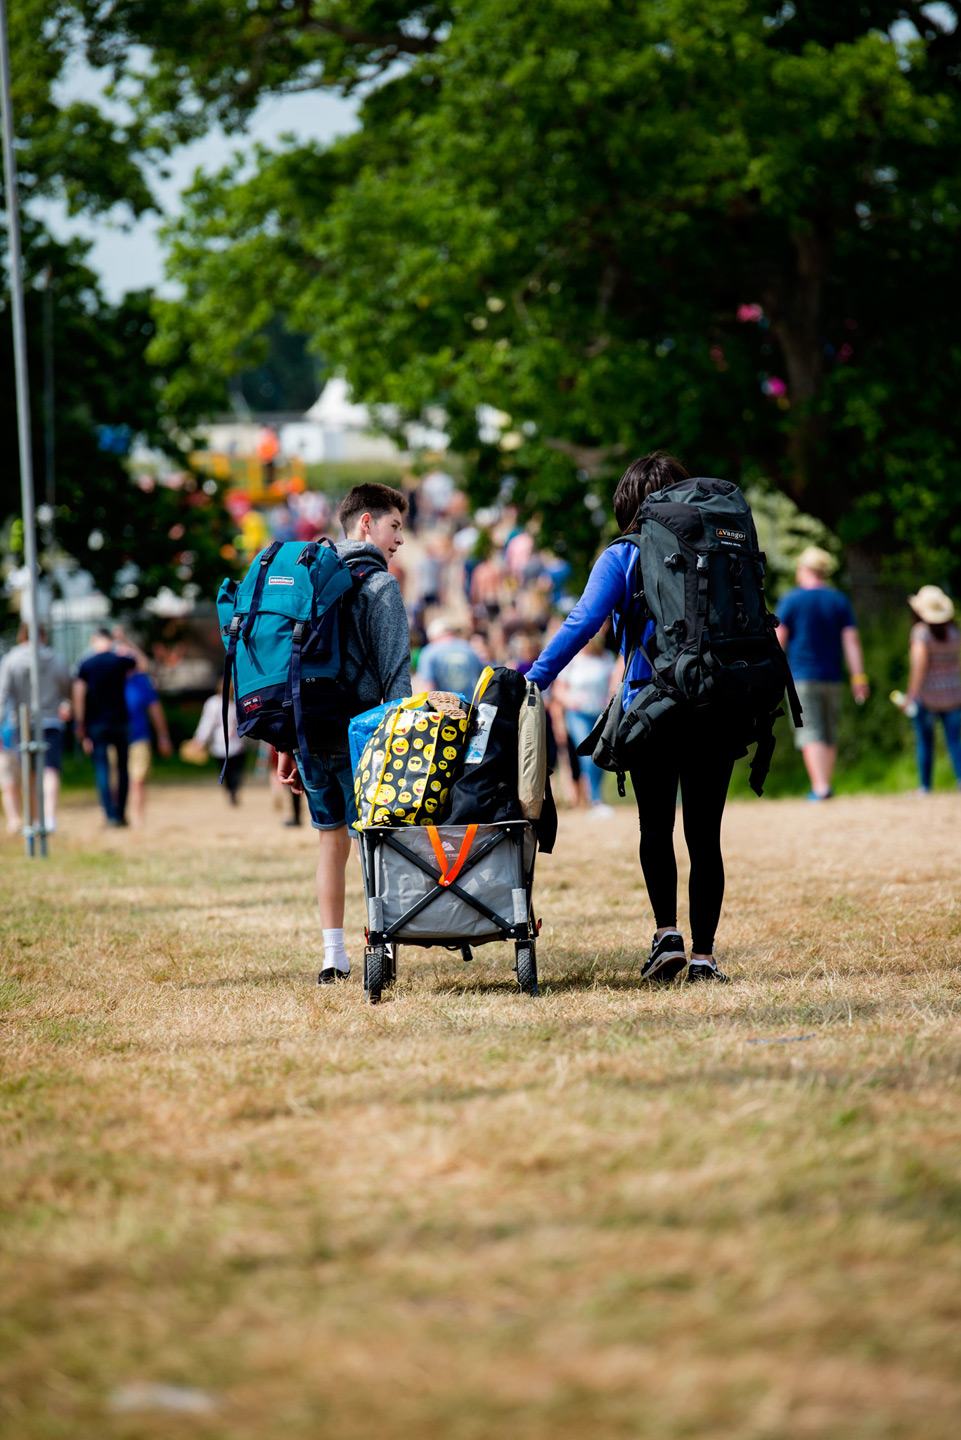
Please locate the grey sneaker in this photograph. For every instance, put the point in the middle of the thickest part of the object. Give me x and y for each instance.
(706, 970)
(667, 957)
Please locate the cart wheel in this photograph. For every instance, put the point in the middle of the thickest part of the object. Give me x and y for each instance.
(374, 967)
(390, 963)
(526, 966)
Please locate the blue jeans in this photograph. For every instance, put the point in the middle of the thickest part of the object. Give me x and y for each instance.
(924, 734)
(114, 803)
(579, 726)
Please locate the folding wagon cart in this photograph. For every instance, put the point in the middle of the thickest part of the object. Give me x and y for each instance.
(450, 885)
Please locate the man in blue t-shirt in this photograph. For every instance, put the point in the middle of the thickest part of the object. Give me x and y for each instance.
(820, 634)
(447, 662)
(144, 712)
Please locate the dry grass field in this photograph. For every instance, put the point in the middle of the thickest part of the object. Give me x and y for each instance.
(608, 1212)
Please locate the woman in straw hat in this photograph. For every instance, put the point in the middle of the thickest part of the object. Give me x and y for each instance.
(934, 684)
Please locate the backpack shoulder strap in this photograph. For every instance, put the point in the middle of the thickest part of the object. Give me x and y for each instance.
(360, 572)
(632, 618)
(267, 558)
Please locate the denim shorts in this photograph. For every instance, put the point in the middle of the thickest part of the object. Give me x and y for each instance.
(330, 790)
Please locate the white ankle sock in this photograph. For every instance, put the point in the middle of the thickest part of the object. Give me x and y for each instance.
(335, 953)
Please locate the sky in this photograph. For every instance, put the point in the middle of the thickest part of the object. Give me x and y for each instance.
(131, 258)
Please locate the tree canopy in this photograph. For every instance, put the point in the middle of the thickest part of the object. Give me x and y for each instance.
(104, 390)
(722, 226)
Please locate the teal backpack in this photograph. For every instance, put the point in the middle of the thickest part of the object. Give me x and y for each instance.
(283, 627)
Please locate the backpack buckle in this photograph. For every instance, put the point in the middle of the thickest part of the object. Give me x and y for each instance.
(702, 563)
(674, 562)
(235, 625)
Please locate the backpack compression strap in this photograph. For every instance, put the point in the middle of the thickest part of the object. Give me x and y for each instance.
(230, 662)
(293, 685)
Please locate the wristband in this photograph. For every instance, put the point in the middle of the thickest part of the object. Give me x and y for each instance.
(859, 679)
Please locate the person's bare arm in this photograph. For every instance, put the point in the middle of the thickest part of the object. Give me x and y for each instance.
(287, 772)
(616, 676)
(783, 636)
(79, 714)
(854, 659)
(919, 668)
(159, 722)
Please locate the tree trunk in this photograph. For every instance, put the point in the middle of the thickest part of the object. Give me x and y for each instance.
(870, 594)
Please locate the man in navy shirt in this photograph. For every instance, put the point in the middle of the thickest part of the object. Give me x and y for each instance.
(820, 634)
(100, 715)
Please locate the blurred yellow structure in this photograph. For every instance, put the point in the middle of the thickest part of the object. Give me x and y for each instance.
(244, 474)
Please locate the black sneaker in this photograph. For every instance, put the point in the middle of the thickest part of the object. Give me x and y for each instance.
(331, 975)
(706, 970)
(667, 957)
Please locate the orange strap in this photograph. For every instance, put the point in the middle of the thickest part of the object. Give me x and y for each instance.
(447, 877)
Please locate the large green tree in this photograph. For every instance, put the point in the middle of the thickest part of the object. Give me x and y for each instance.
(725, 226)
(104, 389)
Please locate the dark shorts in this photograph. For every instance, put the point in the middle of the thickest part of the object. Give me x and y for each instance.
(53, 739)
(330, 791)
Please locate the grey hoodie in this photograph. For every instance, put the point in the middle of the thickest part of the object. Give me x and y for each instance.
(377, 666)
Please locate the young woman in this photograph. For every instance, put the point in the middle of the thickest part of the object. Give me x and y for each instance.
(935, 679)
(686, 749)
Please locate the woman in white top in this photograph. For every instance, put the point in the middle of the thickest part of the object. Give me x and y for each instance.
(583, 689)
(210, 734)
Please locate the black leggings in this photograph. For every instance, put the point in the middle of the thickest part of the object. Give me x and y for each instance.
(686, 753)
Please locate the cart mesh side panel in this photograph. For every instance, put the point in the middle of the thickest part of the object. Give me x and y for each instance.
(447, 918)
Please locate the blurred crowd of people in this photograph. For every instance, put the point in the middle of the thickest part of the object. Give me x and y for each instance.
(479, 591)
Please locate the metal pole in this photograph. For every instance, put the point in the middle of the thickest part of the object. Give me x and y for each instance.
(23, 417)
(49, 432)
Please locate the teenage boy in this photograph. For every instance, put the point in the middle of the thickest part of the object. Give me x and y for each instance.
(376, 669)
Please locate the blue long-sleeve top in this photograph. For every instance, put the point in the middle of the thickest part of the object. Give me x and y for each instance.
(610, 586)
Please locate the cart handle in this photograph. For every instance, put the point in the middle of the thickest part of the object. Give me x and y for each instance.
(447, 877)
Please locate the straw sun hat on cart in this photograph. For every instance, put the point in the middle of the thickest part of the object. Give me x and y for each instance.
(932, 605)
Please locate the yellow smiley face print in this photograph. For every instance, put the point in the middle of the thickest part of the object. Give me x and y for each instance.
(430, 805)
(387, 792)
(449, 752)
(405, 797)
(422, 724)
(418, 743)
(415, 763)
(435, 784)
(401, 747)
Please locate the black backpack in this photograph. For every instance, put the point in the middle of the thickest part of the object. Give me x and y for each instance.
(701, 580)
